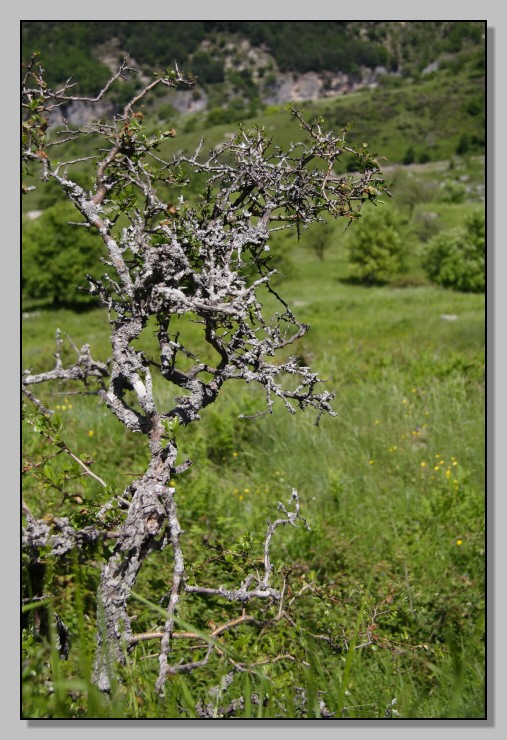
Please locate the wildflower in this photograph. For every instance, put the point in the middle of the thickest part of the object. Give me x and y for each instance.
(424, 464)
(240, 497)
(437, 468)
(235, 454)
(91, 432)
(376, 421)
(405, 401)
(371, 462)
(246, 490)
(459, 542)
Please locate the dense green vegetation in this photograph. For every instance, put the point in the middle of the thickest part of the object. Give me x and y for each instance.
(393, 488)
(376, 251)
(295, 45)
(57, 256)
(456, 259)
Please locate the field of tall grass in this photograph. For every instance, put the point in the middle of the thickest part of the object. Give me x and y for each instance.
(392, 488)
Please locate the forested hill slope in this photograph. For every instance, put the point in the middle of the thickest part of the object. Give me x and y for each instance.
(255, 58)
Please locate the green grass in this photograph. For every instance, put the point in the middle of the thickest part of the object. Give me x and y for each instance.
(392, 488)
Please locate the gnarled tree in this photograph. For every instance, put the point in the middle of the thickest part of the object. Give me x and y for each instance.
(207, 259)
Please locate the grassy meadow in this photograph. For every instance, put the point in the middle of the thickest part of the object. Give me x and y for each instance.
(386, 589)
(392, 489)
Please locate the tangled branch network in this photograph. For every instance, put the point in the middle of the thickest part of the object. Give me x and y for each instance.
(207, 259)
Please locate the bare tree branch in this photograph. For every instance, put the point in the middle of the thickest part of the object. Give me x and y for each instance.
(174, 260)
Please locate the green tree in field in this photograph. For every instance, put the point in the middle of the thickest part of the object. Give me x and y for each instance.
(376, 250)
(57, 256)
(457, 258)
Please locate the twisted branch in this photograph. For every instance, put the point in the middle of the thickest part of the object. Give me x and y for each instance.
(175, 260)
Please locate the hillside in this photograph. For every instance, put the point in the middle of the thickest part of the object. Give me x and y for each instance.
(248, 63)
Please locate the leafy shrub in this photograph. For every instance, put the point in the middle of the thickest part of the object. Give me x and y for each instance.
(453, 192)
(456, 258)
(57, 256)
(376, 251)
